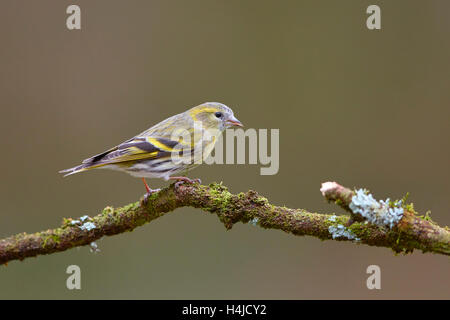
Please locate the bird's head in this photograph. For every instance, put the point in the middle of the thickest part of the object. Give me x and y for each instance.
(214, 115)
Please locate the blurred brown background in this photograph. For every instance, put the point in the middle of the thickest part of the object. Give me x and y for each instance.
(364, 108)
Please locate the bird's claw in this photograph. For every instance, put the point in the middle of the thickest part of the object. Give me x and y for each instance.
(178, 183)
(148, 194)
(186, 180)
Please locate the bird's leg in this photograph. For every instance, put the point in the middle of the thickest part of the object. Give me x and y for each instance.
(150, 191)
(181, 180)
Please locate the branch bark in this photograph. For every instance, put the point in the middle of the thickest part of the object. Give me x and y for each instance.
(409, 233)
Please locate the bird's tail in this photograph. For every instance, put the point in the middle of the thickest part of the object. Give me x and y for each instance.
(80, 168)
(89, 163)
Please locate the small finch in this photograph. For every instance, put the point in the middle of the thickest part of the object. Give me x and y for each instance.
(175, 145)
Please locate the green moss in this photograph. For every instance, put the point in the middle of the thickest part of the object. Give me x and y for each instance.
(220, 198)
(52, 237)
(130, 206)
(108, 210)
(405, 198)
(67, 222)
(261, 201)
(427, 217)
(409, 207)
(216, 187)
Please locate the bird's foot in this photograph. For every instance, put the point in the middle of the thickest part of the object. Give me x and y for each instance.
(150, 191)
(181, 180)
(148, 194)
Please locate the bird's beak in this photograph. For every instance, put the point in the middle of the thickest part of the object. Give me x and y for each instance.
(234, 122)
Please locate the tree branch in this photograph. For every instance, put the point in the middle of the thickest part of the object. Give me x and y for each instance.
(393, 225)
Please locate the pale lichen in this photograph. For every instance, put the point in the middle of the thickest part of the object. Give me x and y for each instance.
(340, 231)
(88, 226)
(94, 247)
(332, 218)
(254, 222)
(381, 213)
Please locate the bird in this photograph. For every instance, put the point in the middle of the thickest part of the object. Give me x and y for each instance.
(173, 146)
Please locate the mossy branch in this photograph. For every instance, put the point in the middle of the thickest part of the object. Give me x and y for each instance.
(409, 233)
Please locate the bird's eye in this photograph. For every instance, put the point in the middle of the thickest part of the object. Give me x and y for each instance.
(218, 114)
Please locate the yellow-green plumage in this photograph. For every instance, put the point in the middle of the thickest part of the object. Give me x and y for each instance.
(190, 135)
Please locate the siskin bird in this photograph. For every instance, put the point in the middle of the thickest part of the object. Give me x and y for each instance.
(173, 146)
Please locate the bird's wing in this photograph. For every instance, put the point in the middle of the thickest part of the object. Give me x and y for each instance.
(137, 148)
(155, 143)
